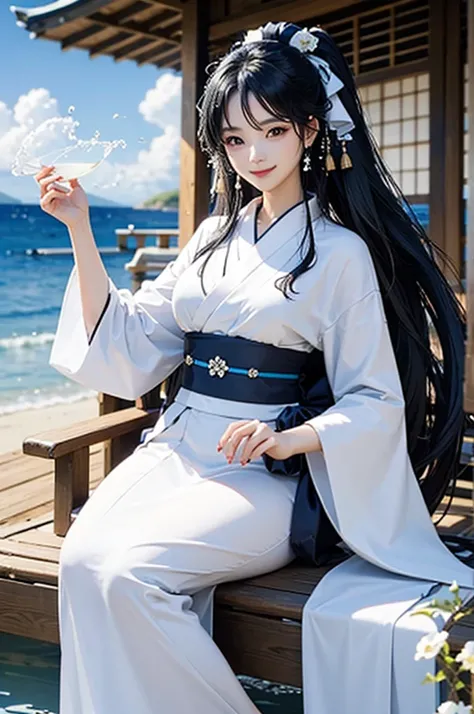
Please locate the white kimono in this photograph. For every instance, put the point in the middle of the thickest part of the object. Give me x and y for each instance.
(358, 638)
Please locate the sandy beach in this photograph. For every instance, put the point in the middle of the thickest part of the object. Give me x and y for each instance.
(14, 428)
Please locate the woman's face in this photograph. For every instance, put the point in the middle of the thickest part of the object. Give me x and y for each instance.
(274, 146)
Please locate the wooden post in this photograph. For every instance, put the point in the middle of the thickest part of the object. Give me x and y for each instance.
(194, 179)
(446, 135)
(454, 147)
(469, 367)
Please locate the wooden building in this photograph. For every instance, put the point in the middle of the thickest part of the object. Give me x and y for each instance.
(410, 59)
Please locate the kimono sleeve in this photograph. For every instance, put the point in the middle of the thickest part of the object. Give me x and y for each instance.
(137, 342)
(364, 475)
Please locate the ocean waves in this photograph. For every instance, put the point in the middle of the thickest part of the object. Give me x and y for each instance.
(38, 399)
(26, 342)
(26, 312)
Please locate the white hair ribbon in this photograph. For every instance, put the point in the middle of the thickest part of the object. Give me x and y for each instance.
(304, 41)
(338, 118)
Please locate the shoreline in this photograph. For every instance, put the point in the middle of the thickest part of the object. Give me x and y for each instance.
(17, 426)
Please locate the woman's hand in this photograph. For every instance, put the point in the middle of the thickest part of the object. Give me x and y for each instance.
(68, 206)
(257, 438)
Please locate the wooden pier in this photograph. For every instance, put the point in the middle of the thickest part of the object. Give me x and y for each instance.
(257, 621)
(139, 235)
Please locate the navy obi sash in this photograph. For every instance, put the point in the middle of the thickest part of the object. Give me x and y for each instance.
(244, 370)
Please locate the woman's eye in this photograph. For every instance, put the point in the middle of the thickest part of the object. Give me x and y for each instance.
(279, 129)
(230, 139)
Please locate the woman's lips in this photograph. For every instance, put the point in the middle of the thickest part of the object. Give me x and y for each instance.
(262, 173)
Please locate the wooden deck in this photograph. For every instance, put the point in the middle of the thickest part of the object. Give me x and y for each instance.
(257, 621)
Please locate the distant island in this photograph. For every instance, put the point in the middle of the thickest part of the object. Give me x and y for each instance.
(99, 201)
(164, 201)
(5, 198)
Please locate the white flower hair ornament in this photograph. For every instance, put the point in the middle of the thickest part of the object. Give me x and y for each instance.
(303, 40)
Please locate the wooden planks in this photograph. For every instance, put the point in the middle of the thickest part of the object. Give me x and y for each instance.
(27, 488)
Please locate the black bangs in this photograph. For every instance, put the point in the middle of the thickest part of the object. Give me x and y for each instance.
(278, 79)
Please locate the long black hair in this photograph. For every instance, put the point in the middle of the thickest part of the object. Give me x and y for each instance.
(418, 299)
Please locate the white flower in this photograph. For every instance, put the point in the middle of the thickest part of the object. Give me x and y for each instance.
(430, 645)
(217, 365)
(454, 587)
(453, 708)
(253, 36)
(304, 41)
(466, 656)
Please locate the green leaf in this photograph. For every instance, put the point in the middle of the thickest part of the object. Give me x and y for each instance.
(440, 676)
(428, 679)
(459, 685)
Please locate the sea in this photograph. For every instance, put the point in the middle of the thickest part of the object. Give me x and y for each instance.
(31, 291)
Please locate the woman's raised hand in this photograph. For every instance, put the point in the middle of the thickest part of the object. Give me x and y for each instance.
(70, 206)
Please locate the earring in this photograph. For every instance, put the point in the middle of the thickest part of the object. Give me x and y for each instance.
(346, 162)
(238, 185)
(330, 165)
(307, 159)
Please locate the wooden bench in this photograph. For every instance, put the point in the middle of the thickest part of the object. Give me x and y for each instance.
(257, 621)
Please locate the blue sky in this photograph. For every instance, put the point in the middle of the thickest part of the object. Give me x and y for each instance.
(97, 89)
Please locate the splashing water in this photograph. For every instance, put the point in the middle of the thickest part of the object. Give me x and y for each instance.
(54, 143)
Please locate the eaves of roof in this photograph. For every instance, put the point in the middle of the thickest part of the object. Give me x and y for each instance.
(54, 14)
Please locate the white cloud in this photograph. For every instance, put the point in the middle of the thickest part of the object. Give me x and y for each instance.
(6, 118)
(155, 168)
(163, 102)
(30, 110)
(35, 107)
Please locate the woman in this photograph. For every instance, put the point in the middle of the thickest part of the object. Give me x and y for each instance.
(325, 260)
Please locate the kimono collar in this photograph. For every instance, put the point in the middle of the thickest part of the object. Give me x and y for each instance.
(296, 214)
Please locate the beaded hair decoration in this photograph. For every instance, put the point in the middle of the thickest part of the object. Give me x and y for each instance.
(337, 116)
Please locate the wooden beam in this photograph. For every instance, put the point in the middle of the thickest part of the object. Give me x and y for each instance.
(294, 11)
(446, 129)
(155, 55)
(454, 112)
(172, 4)
(136, 46)
(29, 610)
(194, 181)
(111, 43)
(437, 122)
(469, 365)
(134, 27)
(75, 37)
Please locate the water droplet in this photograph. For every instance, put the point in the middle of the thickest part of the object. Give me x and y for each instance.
(141, 140)
(115, 116)
(55, 143)
(71, 109)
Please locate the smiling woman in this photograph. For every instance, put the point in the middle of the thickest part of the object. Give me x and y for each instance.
(310, 408)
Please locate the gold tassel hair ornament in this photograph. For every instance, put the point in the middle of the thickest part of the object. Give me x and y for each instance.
(330, 164)
(346, 162)
(220, 183)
